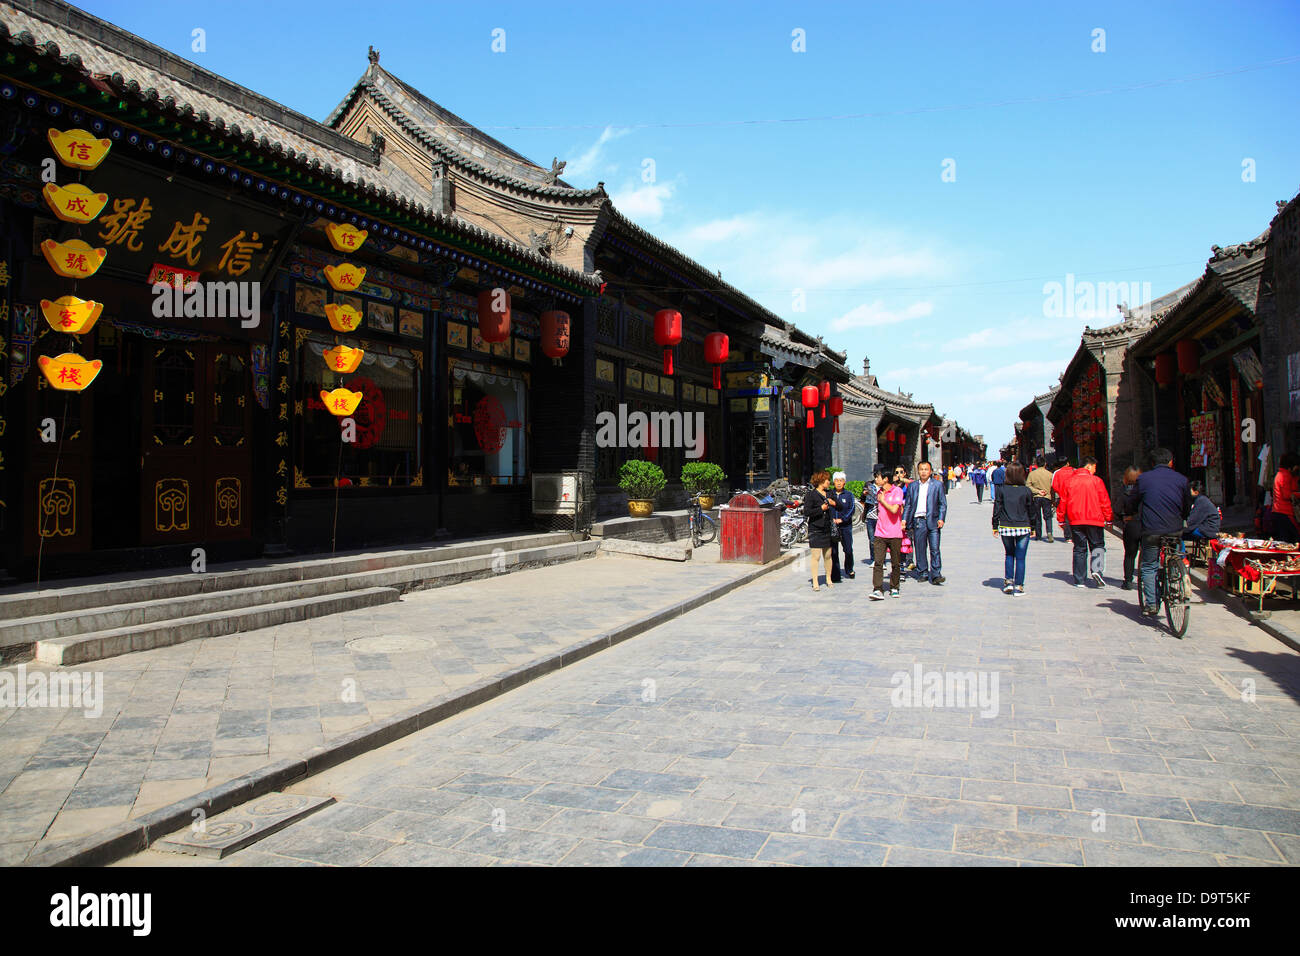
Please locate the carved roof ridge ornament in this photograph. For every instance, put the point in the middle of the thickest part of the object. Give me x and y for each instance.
(553, 173)
(373, 55)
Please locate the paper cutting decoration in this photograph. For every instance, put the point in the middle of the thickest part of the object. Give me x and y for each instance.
(345, 238)
(69, 314)
(341, 402)
(69, 372)
(343, 318)
(345, 277)
(344, 359)
(73, 259)
(74, 202)
(79, 149)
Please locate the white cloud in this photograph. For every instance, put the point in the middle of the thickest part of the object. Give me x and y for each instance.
(866, 316)
(916, 378)
(644, 203)
(1029, 372)
(591, 158)
(720, 230)
(1014, 332)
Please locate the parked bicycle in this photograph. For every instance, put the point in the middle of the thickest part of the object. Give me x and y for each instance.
(703, 528)
(1174, 585)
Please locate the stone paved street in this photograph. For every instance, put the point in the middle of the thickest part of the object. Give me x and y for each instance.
(180, 719)
(760, 730)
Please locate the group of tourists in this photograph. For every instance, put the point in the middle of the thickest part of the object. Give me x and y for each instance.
(904, 521)
(904, 518)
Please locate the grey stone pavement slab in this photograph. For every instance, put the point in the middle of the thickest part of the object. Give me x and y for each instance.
(768, 728)
(178, 720)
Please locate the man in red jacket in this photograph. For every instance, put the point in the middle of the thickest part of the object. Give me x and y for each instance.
(1087, 511)
(1059, 479)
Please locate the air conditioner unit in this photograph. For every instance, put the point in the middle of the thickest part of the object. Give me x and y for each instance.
(555, 494)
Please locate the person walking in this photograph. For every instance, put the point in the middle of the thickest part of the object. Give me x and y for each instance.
(1039, 483)
(1088, 510)
(889, 534)
(901, 481)
(1286, 487)
(1132, 526)
(1164, 500)
(1059, 479)
(996, 478)
(925, 508)
(870, 512)
(816, 508)
(1011, 519)
(841, 512)
(977, 478)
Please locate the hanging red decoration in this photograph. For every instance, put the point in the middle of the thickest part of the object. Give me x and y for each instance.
(837, 409)
(555, 334)
(668, 333)
(1165, 369)
(810, 396)
(1189, 356)
(716, 348)
(826, 395)
(494, 315)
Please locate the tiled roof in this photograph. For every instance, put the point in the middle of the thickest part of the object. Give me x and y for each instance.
(113, 60)
(450, 137)
(890, 399)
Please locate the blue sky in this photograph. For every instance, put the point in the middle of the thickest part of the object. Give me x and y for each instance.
(1115, 166)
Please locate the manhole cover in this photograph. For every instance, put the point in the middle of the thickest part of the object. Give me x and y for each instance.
(390, 644)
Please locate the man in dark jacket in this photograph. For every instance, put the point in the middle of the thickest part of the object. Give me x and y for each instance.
(924, 510)
(1203, 519)
(842, 515)
(1128, 511)
(1164, 500)
(996, 478)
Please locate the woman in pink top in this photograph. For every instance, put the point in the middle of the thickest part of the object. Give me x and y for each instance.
(889, 534)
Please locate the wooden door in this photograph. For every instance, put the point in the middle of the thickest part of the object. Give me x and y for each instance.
(196, 465)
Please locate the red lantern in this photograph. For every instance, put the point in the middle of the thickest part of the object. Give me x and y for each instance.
(826, 396)
(555, 334)
(837, 409)
(668, 332)
(494, 315)
(810, 396)
(1164, 369)
(716, 346)
(1189, 356)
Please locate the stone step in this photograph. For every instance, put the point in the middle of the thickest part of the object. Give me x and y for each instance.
(78, 596)
(24, 631)
(97, 645)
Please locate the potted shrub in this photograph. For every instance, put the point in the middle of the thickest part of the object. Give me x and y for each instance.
(704, 478)
(642, 480)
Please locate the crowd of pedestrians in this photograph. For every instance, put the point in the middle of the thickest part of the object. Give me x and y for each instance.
(903, 519)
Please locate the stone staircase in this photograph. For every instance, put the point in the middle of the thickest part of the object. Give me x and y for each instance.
(91, 620)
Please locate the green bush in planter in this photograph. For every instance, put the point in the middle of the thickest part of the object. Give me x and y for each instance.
(855, 487)
(641, 479)
(703, 477)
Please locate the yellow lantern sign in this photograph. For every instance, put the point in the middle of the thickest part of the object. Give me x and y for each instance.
(79, 149)
(344, 359)
(69, 372)
(345, 277)
(73, 259)
(343, 318)
(74, 202)
(69, 314)
(345, 238)
(341, 402)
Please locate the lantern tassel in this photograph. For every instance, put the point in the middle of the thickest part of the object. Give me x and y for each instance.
(668, 361)
(810, 418)
(837, 424)
(717, 376)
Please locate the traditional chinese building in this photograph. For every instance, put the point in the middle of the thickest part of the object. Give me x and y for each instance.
(885, 427)
(209, 422)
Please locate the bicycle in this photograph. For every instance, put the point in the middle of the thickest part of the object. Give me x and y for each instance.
(1174, 585)
(703, 528)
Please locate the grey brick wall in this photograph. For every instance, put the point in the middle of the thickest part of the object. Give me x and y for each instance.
(854, 448)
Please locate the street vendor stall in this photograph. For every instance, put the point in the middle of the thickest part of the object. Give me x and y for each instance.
(1254, 566)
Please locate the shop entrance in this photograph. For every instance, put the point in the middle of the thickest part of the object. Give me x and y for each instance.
(196, 466)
